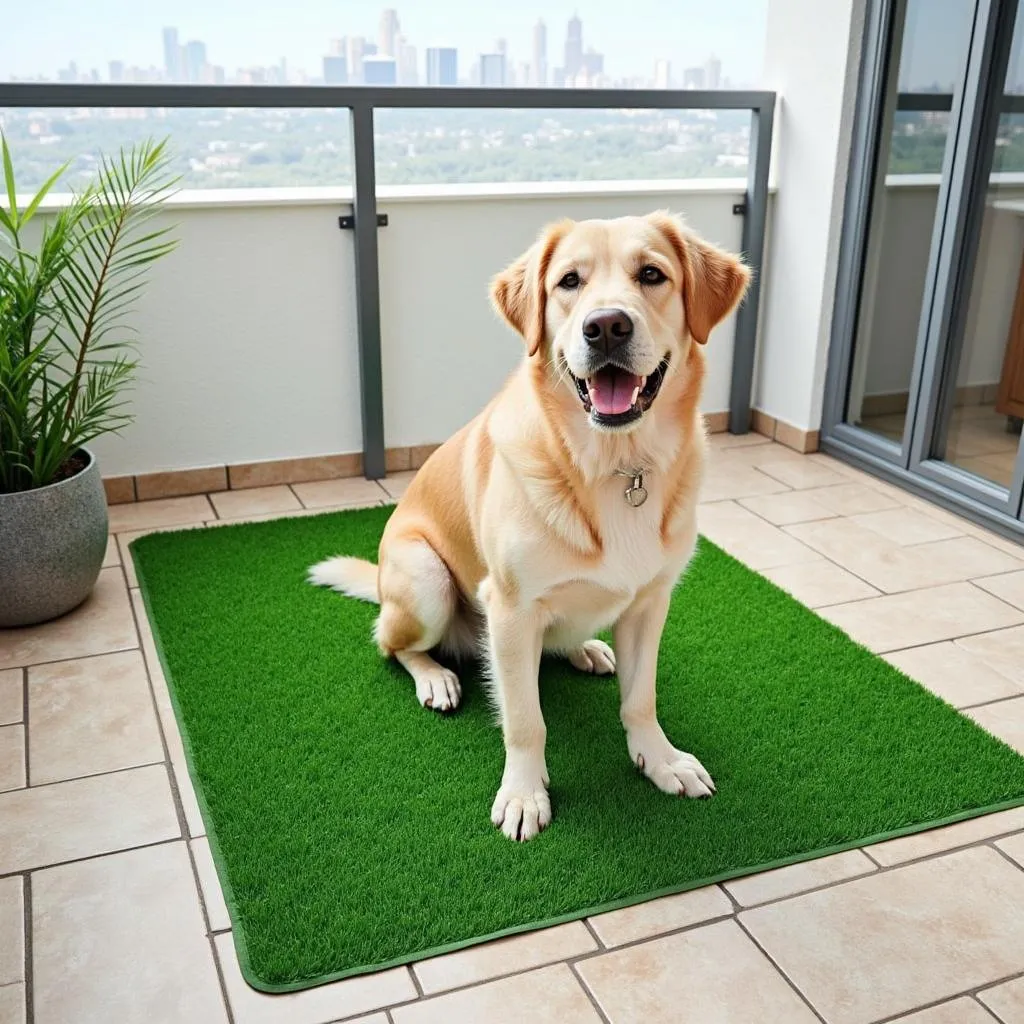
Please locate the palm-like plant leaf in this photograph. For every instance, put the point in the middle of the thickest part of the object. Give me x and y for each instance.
(66, 344)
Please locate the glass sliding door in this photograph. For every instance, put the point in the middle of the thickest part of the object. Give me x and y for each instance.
(926, 369)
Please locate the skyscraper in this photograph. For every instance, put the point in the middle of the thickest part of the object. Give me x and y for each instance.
(172, 55)
(662, 74)
(693, 78)
(195, 60)
(713, 73)
(408, 73)
(387, 35)
(380, 70)
(335, 69)
(442, 65)
(355, 59)
(574, 47)
(539, 67)
(116, 71)
(492, 69)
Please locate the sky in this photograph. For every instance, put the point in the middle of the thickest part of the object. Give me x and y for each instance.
(241, 33)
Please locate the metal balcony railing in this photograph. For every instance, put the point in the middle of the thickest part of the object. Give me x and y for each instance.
(362, 101)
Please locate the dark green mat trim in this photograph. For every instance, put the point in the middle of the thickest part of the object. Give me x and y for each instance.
(154, 553)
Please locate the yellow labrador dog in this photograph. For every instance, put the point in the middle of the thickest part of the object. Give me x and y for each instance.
(569, 504)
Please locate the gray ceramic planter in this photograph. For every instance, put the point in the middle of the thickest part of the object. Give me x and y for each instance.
(52, 542)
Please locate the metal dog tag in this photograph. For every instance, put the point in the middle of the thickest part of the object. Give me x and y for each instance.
(636, 493)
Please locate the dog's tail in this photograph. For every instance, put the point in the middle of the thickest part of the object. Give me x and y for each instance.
(353, 576)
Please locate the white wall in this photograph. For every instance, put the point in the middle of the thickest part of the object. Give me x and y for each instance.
(248, 331)
(445, 352)
(248, 343)
(811, 60)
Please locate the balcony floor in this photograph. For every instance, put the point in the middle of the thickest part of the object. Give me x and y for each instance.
(107, 868)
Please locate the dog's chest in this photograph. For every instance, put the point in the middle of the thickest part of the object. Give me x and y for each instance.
(632, 551)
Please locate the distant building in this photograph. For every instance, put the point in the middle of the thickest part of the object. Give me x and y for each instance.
(713, 73)
(573, 47)
(492, 69)
(355, 59)
(335, 70)
(408, 71)
(662, 74)
(378, 70)
(337, 47)
(442, 65)
(387, 35)
(593, 63)
(539, 65)
(693, 78)
(172, 55)
(195, 60)
(116, 71)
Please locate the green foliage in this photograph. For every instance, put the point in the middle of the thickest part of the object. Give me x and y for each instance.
(66, 348)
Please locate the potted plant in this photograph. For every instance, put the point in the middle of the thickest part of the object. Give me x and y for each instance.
(66, 359)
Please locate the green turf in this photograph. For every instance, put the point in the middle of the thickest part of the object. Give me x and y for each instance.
(351, 827)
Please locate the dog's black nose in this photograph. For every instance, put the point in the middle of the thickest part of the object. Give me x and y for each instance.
(607, 329)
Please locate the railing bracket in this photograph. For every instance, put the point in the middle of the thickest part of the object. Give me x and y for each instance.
(347, 221)
(739, 209)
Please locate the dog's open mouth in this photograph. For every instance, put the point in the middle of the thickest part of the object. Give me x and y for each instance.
(614, 397)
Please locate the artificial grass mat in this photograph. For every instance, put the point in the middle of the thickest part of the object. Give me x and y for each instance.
(351, 827)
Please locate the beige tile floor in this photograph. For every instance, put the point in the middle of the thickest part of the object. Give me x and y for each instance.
(110, 910)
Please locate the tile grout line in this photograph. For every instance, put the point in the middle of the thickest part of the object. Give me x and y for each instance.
(593, 934)
(586, 991)
(26, 898)
(82, 657)
(24, 725)
(780, 972)
(172, 780)
(1002, 853)
(967, 993)
(89, 856)
(411, 968)
(989, 703)
(878, 864)
(217, 966)
(94, 775)
(632, 943)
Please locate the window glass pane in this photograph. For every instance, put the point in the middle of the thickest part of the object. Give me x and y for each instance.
(932, 38)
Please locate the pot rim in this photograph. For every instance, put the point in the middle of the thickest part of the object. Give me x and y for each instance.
(90, 464)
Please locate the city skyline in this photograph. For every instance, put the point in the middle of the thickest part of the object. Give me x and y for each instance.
(512, 41)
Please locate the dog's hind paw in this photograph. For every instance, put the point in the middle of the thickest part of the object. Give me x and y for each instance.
(594, 656)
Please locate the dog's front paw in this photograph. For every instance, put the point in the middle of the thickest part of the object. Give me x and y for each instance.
(672, 771)
(593, 656)
(522, 807)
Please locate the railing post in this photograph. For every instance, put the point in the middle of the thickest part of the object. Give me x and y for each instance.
(364, 210)
(752, 246)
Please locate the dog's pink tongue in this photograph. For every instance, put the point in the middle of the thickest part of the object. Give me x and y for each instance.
(611, 391)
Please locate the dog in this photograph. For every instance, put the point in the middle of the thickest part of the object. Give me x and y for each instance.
(568, 505)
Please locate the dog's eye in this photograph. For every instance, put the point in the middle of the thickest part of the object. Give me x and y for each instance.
(570, 282)
(651, 275)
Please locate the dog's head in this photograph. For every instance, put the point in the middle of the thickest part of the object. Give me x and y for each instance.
(613, 306)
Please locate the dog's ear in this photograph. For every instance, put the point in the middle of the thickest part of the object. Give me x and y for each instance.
(518, 292)
(714, 281)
